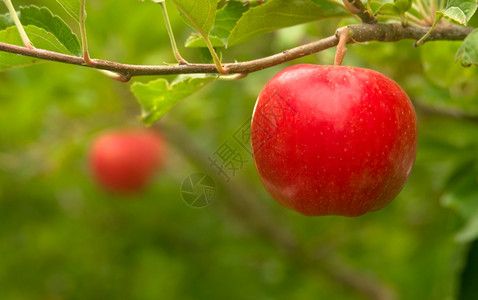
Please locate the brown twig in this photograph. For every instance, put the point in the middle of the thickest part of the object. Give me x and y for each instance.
(356, 7)
(390, 32)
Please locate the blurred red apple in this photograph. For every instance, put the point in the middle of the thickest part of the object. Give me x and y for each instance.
(125, 161)
(333, 140)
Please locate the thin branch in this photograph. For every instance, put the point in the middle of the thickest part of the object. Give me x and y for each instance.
(356, 7)
(359, 33)
(394, 32)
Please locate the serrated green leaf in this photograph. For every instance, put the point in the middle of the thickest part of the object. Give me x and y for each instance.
(199, 14)
(277, 14)
(39, 37)
(460, 11)
(44, 18)
(157, 97)
(468, 52)
(72, 7)
(456, 14)
(226, 19)
(6, 21)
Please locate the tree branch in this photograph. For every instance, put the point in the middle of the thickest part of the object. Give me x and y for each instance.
(392, 32)
(382, 32)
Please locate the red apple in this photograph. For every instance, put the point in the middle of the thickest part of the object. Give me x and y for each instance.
(333, 140)
(125, 161)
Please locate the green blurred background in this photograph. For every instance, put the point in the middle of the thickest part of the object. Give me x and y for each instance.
(61, 237)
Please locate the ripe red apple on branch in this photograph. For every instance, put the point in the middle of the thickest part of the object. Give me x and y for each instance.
(333, 140)
(125, 161)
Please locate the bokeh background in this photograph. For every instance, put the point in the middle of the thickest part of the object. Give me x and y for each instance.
(62, 237)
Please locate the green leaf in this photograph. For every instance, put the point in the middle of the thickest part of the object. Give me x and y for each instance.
(199, 14)
(277, 14)
(72, 7)
(403, 5)
(397, 8)
(157, 97)
(226, 19)
(460, 11)
(6, 21)
(44, 18)
(468, 52)
(39, 37)
(388, 9)
(195, 40)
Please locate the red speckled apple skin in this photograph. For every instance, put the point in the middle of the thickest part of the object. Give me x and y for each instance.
(333, 140)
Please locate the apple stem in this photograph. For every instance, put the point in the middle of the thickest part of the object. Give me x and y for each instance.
(344, 36)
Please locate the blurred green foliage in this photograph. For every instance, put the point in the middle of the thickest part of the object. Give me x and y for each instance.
(61, 237)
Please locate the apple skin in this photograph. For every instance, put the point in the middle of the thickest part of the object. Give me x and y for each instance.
(333, 140)
(124, 161)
